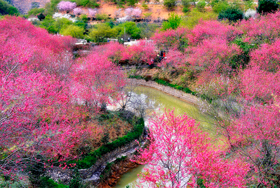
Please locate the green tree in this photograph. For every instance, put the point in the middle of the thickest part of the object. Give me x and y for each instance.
(73, 31)
(201, 6)
(220, 6)
(35, 11)
(6, 8)
(186, 5)
(169, 4)
(267, 6)
(147, 30)
(194, 16)
(129, 29)
(173, 22)
(232, 14)
(48, 24)
(131, 2)
(101, 32)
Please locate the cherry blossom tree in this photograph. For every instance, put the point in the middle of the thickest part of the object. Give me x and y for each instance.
(66, 5)
(213, 55)
(95, 81)
(142, 52)
(267, 56)
(113, 51)
(92, 12)
(179, 153)
(77, 11)
(171, 39)
(136, 12)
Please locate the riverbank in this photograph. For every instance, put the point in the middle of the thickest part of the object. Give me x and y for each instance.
(117, 169)
(168, 90)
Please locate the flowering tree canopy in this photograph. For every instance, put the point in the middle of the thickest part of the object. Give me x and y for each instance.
(66, 5)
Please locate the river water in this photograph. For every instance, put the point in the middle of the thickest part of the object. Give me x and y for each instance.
(160, 101)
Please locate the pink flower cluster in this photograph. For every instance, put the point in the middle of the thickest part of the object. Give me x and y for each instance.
(66, 6)
(133, 12)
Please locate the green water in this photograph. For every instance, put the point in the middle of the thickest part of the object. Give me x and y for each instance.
(162, 101)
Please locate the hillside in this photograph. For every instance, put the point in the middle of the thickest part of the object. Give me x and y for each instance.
(25, 5)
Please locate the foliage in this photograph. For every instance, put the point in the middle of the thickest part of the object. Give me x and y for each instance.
(194, 16)
(163, 82)
(101, 16)
(173, 22)
(201, 6)
(87, 3)
(46, 182)
(73, 31)
(101, 32)
(76, 181)
(129, 28)
(147, 30)
(35, 11)
(90, 159)
(6, 8)
(169, 4)
(186, 3)
(145, 6)
(267, 6)
(233, 14)
(131, 2)
(186, 9)
(220, 6)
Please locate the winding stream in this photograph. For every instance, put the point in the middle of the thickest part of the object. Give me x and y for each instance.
(160, 102)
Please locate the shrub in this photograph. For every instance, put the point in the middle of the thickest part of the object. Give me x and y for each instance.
(101, 32)
(90, 159)
(46, 182)
(201, 6)
(169, 4)
(173, 22)
(101, 16)
(220, 6)
(194, 16)
(73, 31)
(267, 6)
(36, 11)
(145, 6)
(131, 2)
(175, 86)
(6, 8)
(232, 14)
(186, 9)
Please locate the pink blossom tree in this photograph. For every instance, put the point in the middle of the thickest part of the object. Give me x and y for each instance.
(77, 11)
(113, 51)
(171, 39)
(66, 6)
(92, 12)
(179, 153)
(142, 52)
(136, 12)
(267, 57)
(95, 81)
